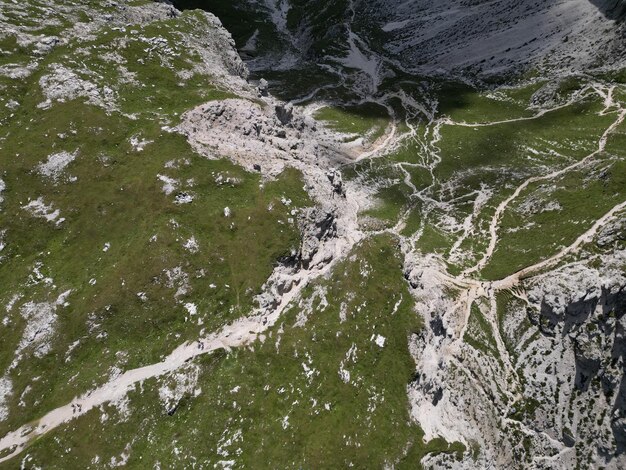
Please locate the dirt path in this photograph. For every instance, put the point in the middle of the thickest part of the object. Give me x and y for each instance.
(514, 279)
(236, 335)
(494, 225)
(577, 97)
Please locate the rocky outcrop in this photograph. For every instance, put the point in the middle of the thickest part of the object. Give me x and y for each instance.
(267, 136)
(568, 300)
(575, 366)
(316, 226)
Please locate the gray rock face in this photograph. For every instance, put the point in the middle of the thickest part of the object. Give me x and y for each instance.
(316, 226)
(588, 351)
(581, 311)
(220, 54)
(573, 299)
(500, 36)
(269, 136)
(612, 233)
(614, 9)
(570, 358)
(263, 87)
(284, 113)
(336, 181)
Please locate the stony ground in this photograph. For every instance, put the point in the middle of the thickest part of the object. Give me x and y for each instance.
(352, 263)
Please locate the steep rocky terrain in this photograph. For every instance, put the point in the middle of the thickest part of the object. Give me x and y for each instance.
(364, 234)
(494, 37)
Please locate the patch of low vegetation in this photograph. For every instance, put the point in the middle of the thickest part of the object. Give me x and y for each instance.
(326, 386)
(367, 121)
(149, 241)
(390, 205)
(130, 254)
(464, 103)
(555, 139)
(480, 333)
(525, 409)
(549, 216)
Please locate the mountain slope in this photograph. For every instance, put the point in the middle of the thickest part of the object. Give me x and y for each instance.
(400, 252)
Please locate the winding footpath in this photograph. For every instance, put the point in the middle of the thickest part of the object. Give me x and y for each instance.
(495, 221)
(238, 334)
